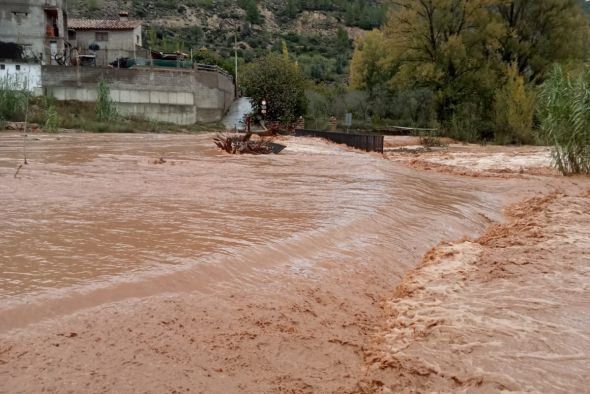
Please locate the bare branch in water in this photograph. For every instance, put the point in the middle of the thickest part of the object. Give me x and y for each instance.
(25, 146)
(17, 170)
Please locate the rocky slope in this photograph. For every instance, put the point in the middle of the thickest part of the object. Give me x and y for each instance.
(318, 33)
(210, 23)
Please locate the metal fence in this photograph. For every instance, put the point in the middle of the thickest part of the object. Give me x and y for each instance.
(122, 58)
(213, 68)
(159, 63)
(400, 130)
(369, 143)
(102, 57)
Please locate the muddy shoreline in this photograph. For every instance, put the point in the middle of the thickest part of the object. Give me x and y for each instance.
(314, 325)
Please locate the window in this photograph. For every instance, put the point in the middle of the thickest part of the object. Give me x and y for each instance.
(52, 26)
(137, 40)
(101, 36)
(18, 67)
(2, 67)
(71, 34)
(19, 11)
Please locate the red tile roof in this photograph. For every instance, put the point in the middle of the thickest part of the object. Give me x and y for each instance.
(102, 24)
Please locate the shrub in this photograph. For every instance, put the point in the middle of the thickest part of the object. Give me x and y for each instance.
(514, 107)
(105, 108)
(278, 80)
(53, 120)
(13, 101)
(564, 112)
(432, 141)
(252, 13)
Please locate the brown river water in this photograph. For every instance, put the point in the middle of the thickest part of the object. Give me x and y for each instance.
(99, 219)
(92, 209)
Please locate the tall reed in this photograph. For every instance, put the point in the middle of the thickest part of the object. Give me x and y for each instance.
(564, 112)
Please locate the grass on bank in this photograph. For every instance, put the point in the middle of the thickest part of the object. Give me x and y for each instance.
(13, 103)
(17, 105)
(54, 115)
(81, 116)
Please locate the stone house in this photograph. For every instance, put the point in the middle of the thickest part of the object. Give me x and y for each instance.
(108, 38)
(39, 26)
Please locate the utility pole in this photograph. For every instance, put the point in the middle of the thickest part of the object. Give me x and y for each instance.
(236, 59)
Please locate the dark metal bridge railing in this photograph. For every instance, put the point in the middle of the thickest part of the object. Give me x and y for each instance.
(369, 143)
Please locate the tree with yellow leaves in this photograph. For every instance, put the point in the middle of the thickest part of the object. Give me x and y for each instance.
(461, 49)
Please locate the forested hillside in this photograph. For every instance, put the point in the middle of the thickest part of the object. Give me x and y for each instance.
(319, 33)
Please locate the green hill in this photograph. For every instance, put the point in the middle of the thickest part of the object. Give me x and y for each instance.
(318, 32)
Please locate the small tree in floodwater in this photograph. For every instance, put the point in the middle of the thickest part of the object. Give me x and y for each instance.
(564, 112)
(105, 108)
(278, 80)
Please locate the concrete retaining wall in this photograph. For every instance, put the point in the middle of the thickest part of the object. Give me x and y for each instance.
(170, 95)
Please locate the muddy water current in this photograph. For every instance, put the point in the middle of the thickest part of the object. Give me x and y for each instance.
(97, 218)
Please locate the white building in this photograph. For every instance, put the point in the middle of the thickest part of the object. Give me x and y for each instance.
(16, 75)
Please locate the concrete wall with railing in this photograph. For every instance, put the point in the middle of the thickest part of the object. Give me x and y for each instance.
(181, 96)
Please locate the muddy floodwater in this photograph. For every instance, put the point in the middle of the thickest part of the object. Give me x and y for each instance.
(91, 211)
(270, 268)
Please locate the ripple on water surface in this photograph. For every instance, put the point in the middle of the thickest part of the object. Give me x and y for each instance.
(94, 208)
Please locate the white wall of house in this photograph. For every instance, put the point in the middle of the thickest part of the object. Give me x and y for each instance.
(18, 76)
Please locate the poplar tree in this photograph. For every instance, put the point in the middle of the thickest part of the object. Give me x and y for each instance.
(367, 66)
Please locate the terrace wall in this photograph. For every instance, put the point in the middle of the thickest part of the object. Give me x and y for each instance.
(171, 95)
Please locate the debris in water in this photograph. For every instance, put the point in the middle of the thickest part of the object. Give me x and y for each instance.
(17, 170)
(241, 144)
